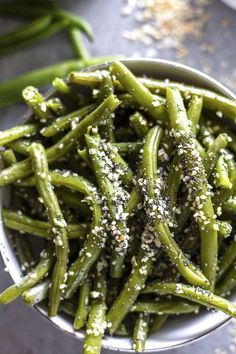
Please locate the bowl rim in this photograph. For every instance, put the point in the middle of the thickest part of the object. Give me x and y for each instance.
(134, 61)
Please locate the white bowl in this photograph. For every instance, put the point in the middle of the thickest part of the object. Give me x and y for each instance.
(179, 330)
(230, 3)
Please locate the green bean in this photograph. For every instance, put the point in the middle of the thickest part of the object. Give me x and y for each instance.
(17, 132)
(211, 100)
(222, 175)
(37, 103)
(227, 260)
(89, 79)
(130, 292)
(25, 31)
(68, 307)
(194, 112)
(105, 179)
(83, 154)
(10, 90)
(70, 120)
(144, 261)
(121, 331)
(154, 107)
(21, 146)
(8, 157)
(63, 146)
(139, 124)
(36, 294)
(225, 228)
(97, 315)
(140, 332)
(188, 270)
(133, 201)
(221, 197)
(57, 222)
(56, 106)
(82, 309)
(173, 183)
(24, 254)
(62, 87)
(209, 162)
(127, 101)
(127, 148)
(230, 206)
(79, 48)
(79, 269)
(195, 294)
(213, 153)
(165, 307)
(47, 32)
(29, 280)
(157, 322)
(198, 184)
(106, 89)
(121, 164)
(74, 21)
(227, 282)
(22, 10)
(24, 224)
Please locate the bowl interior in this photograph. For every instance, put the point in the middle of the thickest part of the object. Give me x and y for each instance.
(176, 331)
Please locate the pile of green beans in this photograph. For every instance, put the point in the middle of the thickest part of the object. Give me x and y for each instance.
(131, 191)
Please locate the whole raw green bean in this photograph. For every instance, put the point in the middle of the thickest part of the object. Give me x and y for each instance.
(74, 21)
(48, 31)
(25, 31)
(78, 46)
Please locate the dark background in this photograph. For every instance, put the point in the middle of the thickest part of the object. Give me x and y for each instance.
(22, 330)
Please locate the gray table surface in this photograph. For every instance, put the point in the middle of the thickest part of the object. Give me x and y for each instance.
(22, 330)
